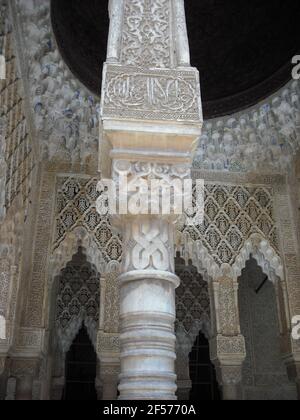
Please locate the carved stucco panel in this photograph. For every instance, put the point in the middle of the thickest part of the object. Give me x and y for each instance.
(112, 303)
(228, 316)
(35, 305)
(146, 33)
(171, 95)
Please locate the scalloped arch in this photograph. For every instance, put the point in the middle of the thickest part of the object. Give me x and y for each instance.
(256, 246)
(69, 246)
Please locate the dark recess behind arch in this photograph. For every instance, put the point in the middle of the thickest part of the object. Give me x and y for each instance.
(243, 49)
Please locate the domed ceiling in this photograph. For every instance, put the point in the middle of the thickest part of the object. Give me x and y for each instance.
(243, 50)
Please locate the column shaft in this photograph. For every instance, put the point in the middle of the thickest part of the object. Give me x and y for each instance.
(147, 311)
(147, 336)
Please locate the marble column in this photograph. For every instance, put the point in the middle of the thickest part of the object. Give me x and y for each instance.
(227, 348)
(151, 119)
(148, 310)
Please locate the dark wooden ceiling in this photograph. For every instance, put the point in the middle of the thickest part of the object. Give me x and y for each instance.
(243, 49)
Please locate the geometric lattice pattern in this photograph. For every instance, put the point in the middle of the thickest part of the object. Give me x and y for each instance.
(78, 291)
(192, 297)
(76, 207)
(232, 214)
(18, 151)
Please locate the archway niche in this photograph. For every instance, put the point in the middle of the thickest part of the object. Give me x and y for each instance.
(74, 321)
(264, 372)
(196, 377)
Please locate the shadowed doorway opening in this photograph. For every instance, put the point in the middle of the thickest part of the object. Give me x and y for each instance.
(81, 367)
(202, 373)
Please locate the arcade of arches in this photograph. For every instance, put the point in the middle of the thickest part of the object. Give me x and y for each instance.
(140, 307)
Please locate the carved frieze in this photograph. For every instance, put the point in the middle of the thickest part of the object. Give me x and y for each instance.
(139, 94)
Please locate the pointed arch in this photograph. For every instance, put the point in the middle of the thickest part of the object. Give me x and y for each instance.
(67, 337)
(185, 341)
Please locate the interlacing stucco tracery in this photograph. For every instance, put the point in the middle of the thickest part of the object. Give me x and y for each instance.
(233, 214)
(76, 207)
